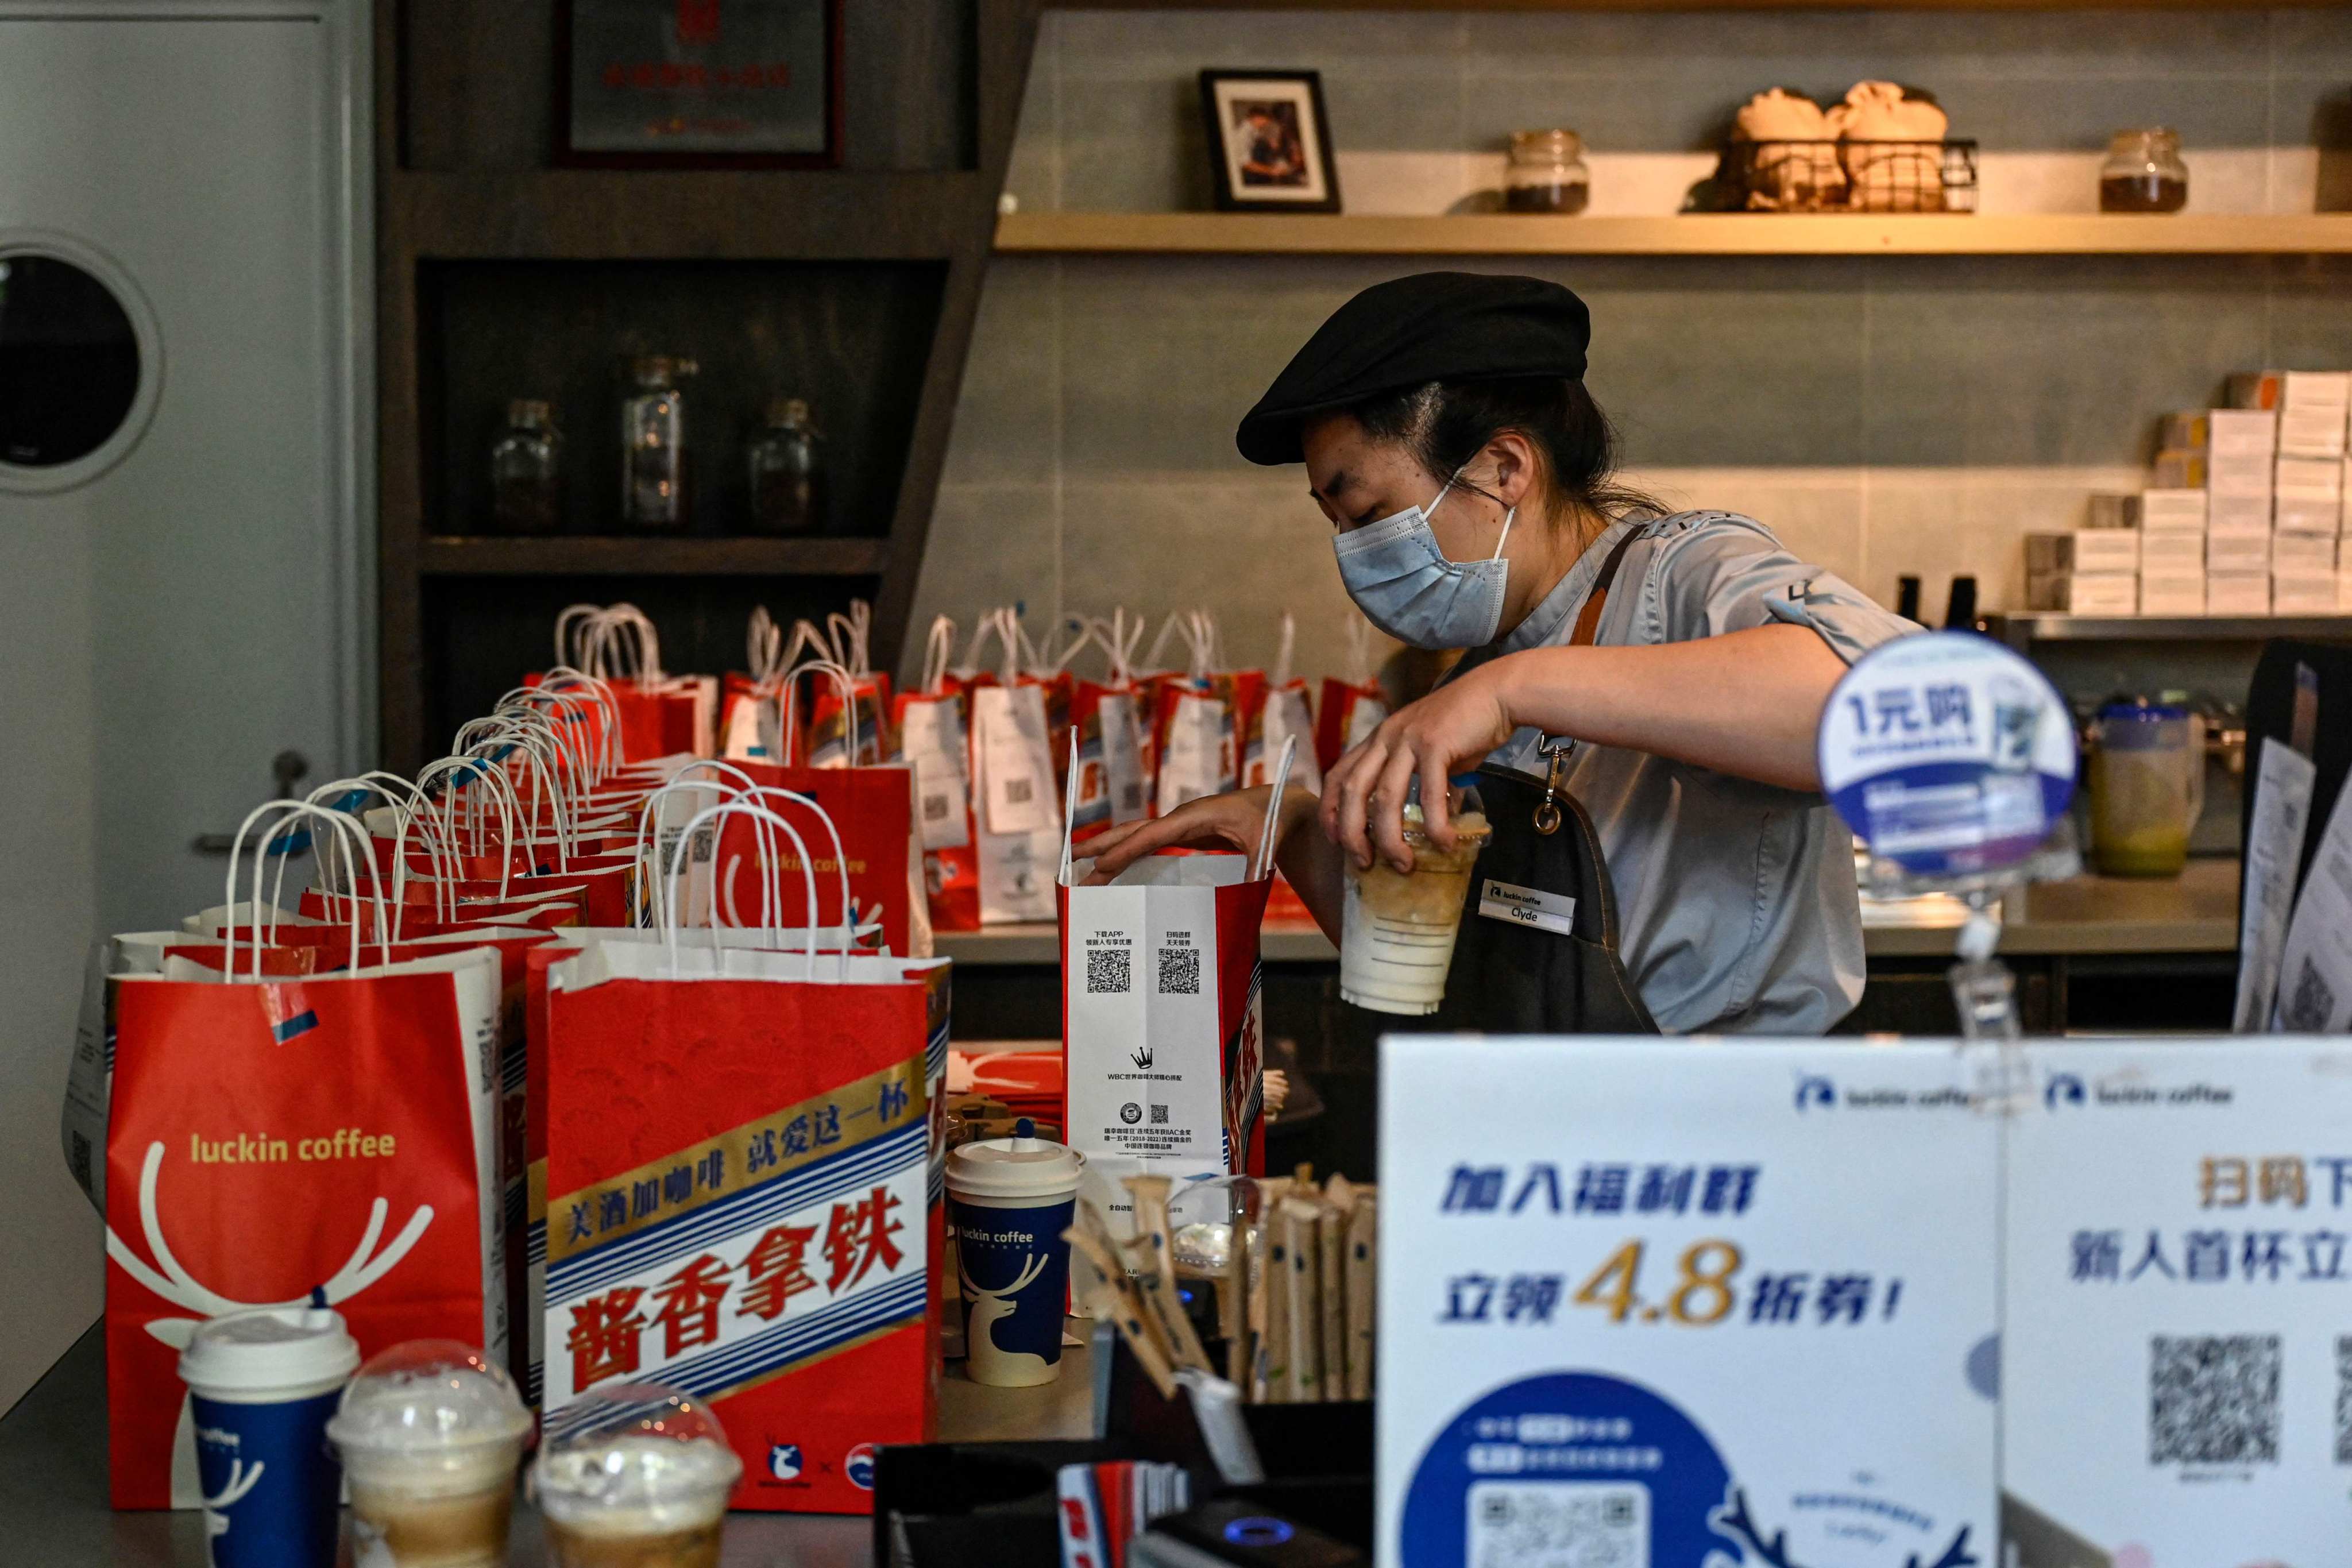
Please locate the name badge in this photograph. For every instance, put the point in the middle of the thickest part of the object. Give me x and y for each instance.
(1528, 907)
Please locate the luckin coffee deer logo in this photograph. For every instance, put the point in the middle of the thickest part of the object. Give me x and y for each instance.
(784, 1461)
(2064, 1089)
(1814, 1089)
(698, 21)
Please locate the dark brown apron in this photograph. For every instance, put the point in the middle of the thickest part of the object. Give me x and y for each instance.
(1516, 979)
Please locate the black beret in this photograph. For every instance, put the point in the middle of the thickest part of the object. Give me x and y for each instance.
(1409, 332)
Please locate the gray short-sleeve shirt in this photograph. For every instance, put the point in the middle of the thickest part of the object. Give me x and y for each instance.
(1736, 901)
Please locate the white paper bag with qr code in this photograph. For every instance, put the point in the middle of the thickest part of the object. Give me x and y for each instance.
(1013, 788)
(1160, 1019)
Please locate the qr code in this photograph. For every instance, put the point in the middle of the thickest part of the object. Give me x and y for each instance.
(1558, 1524)
(2213, 1400)
(2311, 1003)
(2344, 1401)
(1158, 1116)
(1130, 796)
(1019, 792)
(80, 1164)
(935, 809)
(1106, 972)
(1179, 971)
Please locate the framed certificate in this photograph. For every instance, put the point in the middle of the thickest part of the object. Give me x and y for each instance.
(699, 83)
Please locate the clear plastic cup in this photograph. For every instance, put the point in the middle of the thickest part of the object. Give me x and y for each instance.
(430, 1434)
(634, 1476)
(1397, 928)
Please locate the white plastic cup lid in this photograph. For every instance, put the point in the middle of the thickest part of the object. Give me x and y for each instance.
(269, 1348)
(428, 1396)
(641, 1454)
(1022, 1166)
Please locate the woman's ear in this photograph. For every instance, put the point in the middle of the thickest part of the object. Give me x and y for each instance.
(1514, 459)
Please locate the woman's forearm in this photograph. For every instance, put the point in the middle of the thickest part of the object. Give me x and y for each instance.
(1313, 865)
(1746, 703)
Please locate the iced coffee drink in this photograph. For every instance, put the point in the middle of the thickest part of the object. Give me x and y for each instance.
(1396, 938)
(639, 1480)
(430, 1432)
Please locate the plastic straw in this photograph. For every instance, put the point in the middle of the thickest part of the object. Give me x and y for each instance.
(1264, 856)
(1069, 813)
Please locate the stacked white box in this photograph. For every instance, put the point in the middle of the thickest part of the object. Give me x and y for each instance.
(2311, 406)
(2160, 531)
(2303, 593)
(2238, 513)
(2172, 554)
(2060, 593)
(2237, 594)
(2083, 552)
(2172, 594)
(2248, 552)
(2304, 554)
(2168, 511)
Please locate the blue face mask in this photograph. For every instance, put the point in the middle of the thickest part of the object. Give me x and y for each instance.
(1405, 585)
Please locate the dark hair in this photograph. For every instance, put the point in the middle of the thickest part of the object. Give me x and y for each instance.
(1445, 424)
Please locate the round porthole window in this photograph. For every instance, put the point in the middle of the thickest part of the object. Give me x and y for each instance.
(81, 363)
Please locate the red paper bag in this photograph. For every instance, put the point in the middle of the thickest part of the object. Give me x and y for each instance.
(743, 1181)
(331, 1138)
(1352, 708)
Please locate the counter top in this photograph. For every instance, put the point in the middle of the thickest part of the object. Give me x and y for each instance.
(2194, 913)
(53, 1476)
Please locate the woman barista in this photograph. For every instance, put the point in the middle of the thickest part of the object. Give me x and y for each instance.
(1639, 697)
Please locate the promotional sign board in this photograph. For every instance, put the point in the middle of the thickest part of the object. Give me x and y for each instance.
(1947, 753)
(2177, 1359)
(1685, 1305)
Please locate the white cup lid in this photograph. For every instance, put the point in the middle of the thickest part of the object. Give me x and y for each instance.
(426, 1396)
(1022, 1166)
(269, 1348)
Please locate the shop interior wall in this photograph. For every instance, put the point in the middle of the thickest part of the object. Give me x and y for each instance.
(1884, 415)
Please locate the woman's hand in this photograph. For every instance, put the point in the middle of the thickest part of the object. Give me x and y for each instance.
(1230, 821)
(1364, 792)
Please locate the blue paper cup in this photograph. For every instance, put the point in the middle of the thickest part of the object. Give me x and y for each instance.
(1012, 1199)
(261, 1386)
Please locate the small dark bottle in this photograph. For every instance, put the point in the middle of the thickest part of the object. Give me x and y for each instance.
(1960, 612)
(2144, 173)
(787, 472)
(527, 471)
(1906, 597)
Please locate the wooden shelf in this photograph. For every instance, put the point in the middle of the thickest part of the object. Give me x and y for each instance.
(2019, 630)
(1698, 233)
(446, 556)
(685, 215)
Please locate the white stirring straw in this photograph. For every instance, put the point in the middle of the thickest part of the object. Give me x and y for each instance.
(1069, 812)
(1264, 858)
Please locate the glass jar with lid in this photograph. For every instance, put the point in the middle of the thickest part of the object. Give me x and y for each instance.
(2144, 173)
(653, 445)
(1547, 172)
(787, 472)
(526, 470)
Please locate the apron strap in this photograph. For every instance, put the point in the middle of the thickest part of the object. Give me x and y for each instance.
(1588, 619)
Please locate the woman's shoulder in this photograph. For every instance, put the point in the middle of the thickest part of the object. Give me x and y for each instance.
(1705, 527)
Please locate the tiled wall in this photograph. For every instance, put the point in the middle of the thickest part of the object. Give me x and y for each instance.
(1884, 415)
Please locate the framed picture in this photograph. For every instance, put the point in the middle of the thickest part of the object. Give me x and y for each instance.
(1269, 142)
(714, 84)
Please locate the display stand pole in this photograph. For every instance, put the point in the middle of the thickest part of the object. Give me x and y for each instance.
(1984, 989)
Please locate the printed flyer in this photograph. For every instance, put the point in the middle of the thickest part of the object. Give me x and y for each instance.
(1687, 1305)
(2178, 1337)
